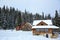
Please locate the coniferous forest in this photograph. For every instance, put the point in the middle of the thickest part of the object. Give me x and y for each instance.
(11, 17)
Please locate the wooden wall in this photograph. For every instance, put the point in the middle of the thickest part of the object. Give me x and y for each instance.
(41, 32)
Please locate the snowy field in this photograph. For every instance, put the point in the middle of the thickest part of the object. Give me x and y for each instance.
(22, 35)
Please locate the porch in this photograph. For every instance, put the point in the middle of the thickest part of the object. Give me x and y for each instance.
(42, 31)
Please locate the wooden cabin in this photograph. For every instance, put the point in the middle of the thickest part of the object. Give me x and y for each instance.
(43, 27)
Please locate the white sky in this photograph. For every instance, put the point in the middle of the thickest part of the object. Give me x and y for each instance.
(39, 6)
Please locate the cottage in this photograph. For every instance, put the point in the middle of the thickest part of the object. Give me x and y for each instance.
(43, 27)
(24, 26)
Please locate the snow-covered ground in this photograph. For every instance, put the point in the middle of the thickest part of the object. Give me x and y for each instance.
(22, 35)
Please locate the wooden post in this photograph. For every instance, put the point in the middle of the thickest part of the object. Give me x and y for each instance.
(50, 30)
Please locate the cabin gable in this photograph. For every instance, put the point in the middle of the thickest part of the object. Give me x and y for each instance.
(41, 23)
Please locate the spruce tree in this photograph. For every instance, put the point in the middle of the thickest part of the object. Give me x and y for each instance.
(56, 14)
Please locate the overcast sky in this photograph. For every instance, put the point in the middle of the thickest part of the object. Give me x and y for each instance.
(39, 6)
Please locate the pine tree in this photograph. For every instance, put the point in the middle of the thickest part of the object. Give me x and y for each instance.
(19, 18)
(37, 16)
(0, 18)
(31, 18)
(56, 14)
(26, 14)
(42, 15)
(49, 17)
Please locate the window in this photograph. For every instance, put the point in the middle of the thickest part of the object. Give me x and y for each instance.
(41, 24)
(37, 29)
(46, 30)
(40, 29)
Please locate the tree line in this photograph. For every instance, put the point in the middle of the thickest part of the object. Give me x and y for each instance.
(10, 17)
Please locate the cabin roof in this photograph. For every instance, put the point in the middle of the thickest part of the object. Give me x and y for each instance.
(49, 22)
(45, 26)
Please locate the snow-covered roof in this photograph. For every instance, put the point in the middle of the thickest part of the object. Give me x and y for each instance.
(45, 26)
(49, 22)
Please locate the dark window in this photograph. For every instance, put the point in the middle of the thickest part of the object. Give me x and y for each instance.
(41, 24)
